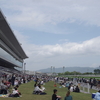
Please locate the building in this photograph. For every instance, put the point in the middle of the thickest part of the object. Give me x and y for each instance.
(29, 72)
(11, 53)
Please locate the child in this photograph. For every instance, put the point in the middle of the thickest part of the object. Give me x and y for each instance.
(55, 85)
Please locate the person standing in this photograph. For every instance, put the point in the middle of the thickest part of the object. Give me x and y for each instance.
(68, 96)
(13, 79)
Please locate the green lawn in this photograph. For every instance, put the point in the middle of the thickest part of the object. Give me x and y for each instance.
(27, 89)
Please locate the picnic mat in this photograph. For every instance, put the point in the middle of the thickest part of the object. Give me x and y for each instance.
(2, 95)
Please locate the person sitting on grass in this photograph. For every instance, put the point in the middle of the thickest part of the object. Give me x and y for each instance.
(76, 89)
(4, 88)
(55, 96)
(39, 90)
(17, 86)
(69, 87)
(72, 88)
(68, 96)
(14, 93)
(55, 85)
(97, 95)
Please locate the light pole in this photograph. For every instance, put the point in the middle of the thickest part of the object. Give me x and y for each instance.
(24, 68)
(99, 69)
(63, 69)
(51, 70)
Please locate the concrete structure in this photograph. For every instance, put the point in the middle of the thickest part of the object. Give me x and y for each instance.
(29, 72)
(11, 52)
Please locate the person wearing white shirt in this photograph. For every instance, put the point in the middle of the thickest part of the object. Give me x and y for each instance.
(71, 89)
(38, 89)
(97, 95)
(15, 93)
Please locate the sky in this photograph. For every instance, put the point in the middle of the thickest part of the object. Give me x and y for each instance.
(56, 32)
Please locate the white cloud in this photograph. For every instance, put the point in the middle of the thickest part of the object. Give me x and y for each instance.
(47, 55)
(37, 13)
(45, 15)
(87, 47)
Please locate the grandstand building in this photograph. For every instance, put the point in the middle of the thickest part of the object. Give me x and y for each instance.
(11, 53)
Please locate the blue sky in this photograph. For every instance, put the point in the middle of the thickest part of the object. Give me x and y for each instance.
(56, 32)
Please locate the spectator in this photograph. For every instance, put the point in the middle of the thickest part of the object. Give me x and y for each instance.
(68, 96)
(55, 96)
(17, 86)
(14, 93)
(39, 90)
(97, 95)
(13, 79)
(77, 89)
(72, 88)
(42, 82)
(4, 88)
(15, 82)
(98, 85)
(69, 87)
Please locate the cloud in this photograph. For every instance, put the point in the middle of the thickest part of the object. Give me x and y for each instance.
(53, 16)
(90, 47)
(74, 53)
(32, 13)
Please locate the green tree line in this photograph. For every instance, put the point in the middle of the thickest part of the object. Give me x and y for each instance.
(96, 71)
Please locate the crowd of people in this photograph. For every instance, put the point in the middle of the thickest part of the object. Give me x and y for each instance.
(9, 84)
(92, 81)
(73, 85)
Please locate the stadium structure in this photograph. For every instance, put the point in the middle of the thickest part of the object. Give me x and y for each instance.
(12, 55)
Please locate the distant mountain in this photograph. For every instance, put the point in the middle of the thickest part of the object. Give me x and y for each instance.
(70, 69)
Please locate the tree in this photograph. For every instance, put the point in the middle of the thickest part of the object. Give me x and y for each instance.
(97, 71)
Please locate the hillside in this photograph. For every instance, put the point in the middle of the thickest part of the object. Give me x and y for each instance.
(70, 69)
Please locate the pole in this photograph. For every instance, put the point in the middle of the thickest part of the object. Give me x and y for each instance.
(88, 87)
(63, 69)
(24, 68)
(51, 70)
(99, 69)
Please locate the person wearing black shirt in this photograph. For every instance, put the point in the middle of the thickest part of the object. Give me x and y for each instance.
(55, 96)
(77, 89)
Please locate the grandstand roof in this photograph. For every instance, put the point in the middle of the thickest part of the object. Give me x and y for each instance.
(8, 37)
